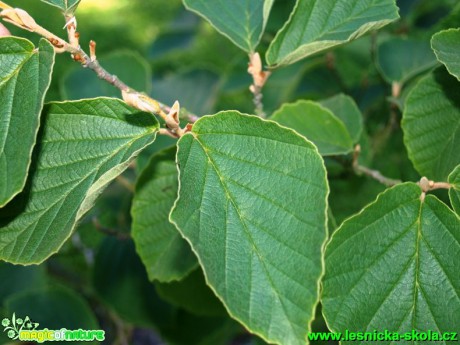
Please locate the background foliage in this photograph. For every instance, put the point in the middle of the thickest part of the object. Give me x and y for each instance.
(171, 53)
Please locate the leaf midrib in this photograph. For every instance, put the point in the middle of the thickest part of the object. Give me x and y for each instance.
(27, 57)
(83, 178)
(248, 234)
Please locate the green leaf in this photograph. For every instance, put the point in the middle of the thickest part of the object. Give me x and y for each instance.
(192, 294)
(454, 178)
(394, 267)
(454, 192)
(454, 196)
(252, 203)
(431, 125)
(84, 146)
(53, 308)
(317, 124)
(25, 76)
(165, 254)
(345, 108)
(446, 46)
(242, 21)
(80, 83)
(66, 6)
(400, 59)
(317, 25)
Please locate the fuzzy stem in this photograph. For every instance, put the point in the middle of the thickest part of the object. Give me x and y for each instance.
(375, 174)
(79, 55)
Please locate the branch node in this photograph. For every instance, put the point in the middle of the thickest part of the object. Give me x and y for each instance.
(136, 99)
(429, 185)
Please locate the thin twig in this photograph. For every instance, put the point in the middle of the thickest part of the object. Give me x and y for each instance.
(134, 98)
(428, 185)
(375, 174)
(257, 100)
(259, 77)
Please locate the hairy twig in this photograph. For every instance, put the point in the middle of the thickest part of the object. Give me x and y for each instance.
(428, 185)
(132, 97)
(375, 174)
(259, 77)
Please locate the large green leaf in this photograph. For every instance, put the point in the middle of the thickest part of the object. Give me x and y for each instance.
(431, 125)
(165, 254)
(25, 75)
(252, 203)
(394, 267)
(84, 146)
(66, 6)
(400, 59)
(446, 46)
(454, 191)
(316, 25)
(317, 124)
(242, 21)
(345, 108)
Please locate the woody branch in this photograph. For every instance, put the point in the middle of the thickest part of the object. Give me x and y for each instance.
(132, 97)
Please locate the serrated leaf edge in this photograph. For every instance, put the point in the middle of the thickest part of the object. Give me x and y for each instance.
(249, 49)
(175, 278)
(40, 105)
(289, 59)
(96, 188)
(323, 246)
(325, 109)
(436, 52)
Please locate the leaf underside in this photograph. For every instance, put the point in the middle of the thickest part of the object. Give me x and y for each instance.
(400, 59)
(394, 267)
(431, 125)
(316, 25)
(252, 203)
(242, 21)
(317, 124)
(84, 145)
(25, 75)
(163, 251)
(454, 191)
(446, 47)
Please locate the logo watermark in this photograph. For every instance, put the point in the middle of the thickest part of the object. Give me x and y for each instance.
(24, 329)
